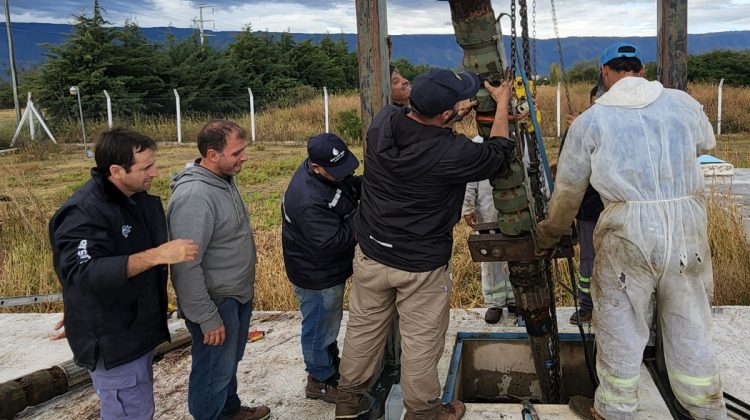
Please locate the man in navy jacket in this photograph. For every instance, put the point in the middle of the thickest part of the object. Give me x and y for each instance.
(110, 253)
(318, 242)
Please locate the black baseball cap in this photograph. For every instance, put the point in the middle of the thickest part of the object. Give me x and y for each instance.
(439, 89)
(330, 152)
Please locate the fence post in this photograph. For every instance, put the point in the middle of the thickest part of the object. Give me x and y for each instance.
(109, 109)
(32, 128)
(252, 114)
(718, 113)
(558, 109)
(325, 105)
(179, 116)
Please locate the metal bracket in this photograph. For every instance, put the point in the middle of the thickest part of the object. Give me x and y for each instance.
(490, 245)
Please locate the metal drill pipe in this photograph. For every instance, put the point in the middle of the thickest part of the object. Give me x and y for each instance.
(475, 27)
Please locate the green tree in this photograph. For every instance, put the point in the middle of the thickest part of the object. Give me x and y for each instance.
(650, 71)
(584, 71)
(555, 75)
(732, 66)
(409, 70)
(205, 79)
(83, 60)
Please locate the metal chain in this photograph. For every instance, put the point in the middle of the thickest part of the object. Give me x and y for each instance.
(562, 62)
(556, 370)
(513, 36)
(533, 44)
(523, 12)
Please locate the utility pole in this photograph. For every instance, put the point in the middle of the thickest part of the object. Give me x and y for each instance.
(200, 21)
(671, 49)
(12, 55)
(374, 77)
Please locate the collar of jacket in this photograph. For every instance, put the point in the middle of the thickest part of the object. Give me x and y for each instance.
(108, 189)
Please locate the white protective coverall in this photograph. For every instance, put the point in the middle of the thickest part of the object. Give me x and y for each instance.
(638, 146)
(496, 287)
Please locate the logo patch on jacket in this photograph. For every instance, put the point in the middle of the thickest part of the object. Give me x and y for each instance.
(83, 252)
(126, 230)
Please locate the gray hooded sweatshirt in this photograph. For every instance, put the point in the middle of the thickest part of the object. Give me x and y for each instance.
(209, 210)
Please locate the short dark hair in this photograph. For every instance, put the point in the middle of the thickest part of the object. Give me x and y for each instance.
(215, 133)
(594, 91)
(625, 64)
(118, 146)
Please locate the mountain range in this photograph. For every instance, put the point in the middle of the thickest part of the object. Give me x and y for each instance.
(434, 50)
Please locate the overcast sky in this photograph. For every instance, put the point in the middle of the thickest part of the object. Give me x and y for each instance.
(575, 17)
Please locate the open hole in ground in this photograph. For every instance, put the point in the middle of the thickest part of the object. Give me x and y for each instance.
(498, 368)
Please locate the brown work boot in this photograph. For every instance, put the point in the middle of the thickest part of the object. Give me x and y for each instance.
(351, 406)
(584, 407)
(493, 315)
(321, 390)
(584, 316)
(260, 412)
(452, 411)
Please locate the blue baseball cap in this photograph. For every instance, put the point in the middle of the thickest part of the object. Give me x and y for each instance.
(619, 50)
(439, 89)
(330, 152)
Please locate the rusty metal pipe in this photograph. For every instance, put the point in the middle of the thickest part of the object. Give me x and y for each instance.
(41, 386)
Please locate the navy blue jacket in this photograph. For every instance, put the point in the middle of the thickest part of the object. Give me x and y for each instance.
(591, 205)
(316, 231)
(107, 314)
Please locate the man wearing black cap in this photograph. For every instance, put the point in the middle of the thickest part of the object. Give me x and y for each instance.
(318, 242)
(416, 170)
(638, 147)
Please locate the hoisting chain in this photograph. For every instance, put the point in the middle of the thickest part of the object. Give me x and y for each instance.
(533, 46)
(538, 188)
(523, 12)
(513, 37)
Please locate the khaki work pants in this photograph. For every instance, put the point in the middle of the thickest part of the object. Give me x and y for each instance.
(422, 302)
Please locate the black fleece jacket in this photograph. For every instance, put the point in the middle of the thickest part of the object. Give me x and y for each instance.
(413, 187)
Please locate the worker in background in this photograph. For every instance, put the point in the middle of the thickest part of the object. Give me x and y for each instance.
(110, 253)
(638, 147)
(416, 170)
(215, 292)
(586, 219)
(479, 207)
(317, 237)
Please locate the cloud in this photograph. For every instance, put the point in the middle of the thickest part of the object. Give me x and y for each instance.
(575, 17)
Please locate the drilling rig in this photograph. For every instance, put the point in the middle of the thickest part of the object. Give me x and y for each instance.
(521, 193)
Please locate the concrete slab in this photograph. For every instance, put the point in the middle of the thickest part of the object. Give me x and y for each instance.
(272, 371)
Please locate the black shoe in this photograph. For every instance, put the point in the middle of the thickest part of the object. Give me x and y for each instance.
(582, 315)
(582, 406)
(493, 315)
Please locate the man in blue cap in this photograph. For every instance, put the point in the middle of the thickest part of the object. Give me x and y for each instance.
(317, 237)
(638, 147)
(416, 170)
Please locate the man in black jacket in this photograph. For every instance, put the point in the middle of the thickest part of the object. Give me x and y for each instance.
(110, 253)
(416, 170)
(318, 241)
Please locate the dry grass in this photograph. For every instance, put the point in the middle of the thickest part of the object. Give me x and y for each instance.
(34, 182)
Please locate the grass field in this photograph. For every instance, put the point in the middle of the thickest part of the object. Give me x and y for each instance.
(38, 178)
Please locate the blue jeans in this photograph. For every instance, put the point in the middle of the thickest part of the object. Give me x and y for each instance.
(212, 392)
(321, 319)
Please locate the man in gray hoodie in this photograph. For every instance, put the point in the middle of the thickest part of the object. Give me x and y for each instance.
(215, 291)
